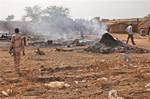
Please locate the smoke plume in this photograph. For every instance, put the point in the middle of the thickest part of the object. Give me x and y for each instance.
(54, 23)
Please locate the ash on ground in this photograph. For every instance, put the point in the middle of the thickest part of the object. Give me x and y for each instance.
(108, 44)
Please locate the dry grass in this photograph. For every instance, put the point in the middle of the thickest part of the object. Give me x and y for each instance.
(105, 63)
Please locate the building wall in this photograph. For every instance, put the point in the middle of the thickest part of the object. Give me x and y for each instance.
(121, 28)
(118, 28)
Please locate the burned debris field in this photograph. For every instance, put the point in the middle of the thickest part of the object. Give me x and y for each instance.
(66, 56)
(100, 70)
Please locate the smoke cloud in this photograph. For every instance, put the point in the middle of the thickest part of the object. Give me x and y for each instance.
(54, 23)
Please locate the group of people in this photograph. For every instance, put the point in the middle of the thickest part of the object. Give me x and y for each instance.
(17, 46)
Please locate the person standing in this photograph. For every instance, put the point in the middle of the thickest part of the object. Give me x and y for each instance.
(16, 47)
(129, 29)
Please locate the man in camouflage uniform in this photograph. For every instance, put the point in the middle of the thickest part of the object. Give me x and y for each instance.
(16, 47)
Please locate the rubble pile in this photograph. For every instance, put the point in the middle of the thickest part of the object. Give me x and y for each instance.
(37, 44)
(79, 42)
(64, 49)
(43, 44)
(61, 43)
(108, 44)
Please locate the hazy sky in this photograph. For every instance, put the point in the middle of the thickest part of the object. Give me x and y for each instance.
(81, 8)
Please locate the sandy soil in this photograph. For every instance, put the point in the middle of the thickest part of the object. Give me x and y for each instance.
(90, 75)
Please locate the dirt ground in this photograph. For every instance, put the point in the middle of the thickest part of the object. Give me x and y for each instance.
(90, 75)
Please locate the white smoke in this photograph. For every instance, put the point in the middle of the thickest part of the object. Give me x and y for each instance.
(66, 28)
(56, 25)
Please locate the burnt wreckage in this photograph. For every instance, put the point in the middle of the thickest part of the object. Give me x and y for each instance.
(108, 44)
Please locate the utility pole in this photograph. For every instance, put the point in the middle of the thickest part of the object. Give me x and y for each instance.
(137, 23)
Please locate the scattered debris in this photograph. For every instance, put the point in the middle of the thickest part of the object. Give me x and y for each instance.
(76, 82)
(125, 57)
(39, 55)
(49, 42)
(41, 70)
(82, 42)
(34, 92)
(102, 79)
(147, 85)
(79, 42)
(39, 52)
(40, 44)
(5, 93)
(114, 95)
(89, 75)
(83, 81)
(108, 44)
(64, 49)
(57, 84)
(12, 80)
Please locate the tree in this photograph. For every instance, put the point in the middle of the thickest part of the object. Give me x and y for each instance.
(10, 17)
(56, 11)
(34, 13)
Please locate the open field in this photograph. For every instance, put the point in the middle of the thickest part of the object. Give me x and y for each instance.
(90, 75)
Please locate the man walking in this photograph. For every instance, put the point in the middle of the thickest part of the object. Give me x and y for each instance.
(16, 47)
(129, 29)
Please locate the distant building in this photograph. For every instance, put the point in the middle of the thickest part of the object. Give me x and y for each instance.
(145, 26)
(118, 28)
(120, 25)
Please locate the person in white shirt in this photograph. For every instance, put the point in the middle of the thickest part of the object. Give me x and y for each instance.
(129, 29)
